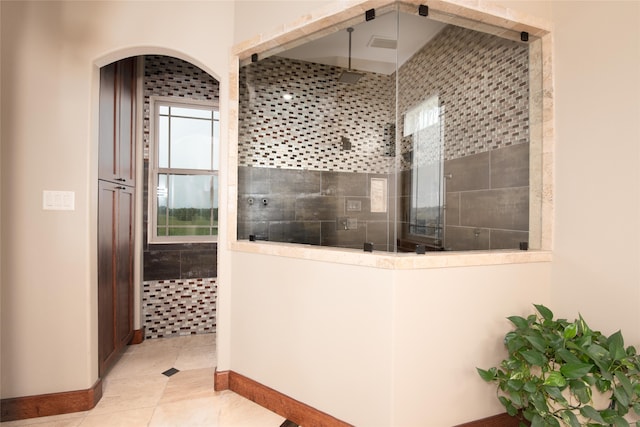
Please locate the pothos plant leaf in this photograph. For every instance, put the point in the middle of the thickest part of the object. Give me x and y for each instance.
(554, 368)
(570, 331)
(555, 379)
(487, 375)
(570, 418)
(616, 346)
(520, 322)
(573, 371)
(589, 412)
(544, 311)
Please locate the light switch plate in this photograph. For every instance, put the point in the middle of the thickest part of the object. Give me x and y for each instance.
(58, 200)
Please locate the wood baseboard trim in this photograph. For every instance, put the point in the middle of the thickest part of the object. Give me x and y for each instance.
(283, 405)
(20, 408)
(220, 380)
(500, 420)
(303, 414)
(138, 336)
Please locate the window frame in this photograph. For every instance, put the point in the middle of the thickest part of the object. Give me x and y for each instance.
(154, 170)
(420, 120)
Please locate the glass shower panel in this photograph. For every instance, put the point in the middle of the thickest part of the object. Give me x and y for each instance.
(402, 133)
(316, 143)
(420, 115)
(463, 107)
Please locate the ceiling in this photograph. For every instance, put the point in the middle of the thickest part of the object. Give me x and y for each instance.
(414, 32)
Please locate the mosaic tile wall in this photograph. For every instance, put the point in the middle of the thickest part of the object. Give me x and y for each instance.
(481, 79)
(306, 132)
(179, 307)
(168, 76)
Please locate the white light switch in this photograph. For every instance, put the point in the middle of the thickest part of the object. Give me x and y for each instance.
(58, 200)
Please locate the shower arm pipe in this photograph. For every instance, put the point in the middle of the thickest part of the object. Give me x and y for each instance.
(350, 30)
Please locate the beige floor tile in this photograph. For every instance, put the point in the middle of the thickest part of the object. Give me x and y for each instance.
(141, 363)
(178, 342)
(192, 384)
(131, 393)
(197, 340)
(236, 411)
(130, 418)
(154, 345)
(135, 393)
(64, 420)
(192, 413)
(196, 357)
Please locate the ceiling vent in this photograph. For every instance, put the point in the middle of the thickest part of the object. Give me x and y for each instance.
(383, 42)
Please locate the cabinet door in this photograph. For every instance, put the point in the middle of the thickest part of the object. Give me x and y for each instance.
(115, 271)
(108, 153)
(107, 226)
(124, 267)
(126, 83)
(117, 122)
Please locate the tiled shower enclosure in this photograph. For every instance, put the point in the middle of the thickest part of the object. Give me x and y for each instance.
(298, 182)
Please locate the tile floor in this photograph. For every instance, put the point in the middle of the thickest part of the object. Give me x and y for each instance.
(136, 393)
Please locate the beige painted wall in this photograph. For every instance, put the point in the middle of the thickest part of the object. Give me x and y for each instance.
(596, 247)
(447, 322)
(596, 262)
(50, 57)
(316, 332)
(596, 268)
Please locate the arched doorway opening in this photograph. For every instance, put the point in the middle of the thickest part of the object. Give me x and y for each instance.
(149, 287)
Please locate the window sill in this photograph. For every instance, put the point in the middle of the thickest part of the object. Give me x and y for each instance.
(399, 261)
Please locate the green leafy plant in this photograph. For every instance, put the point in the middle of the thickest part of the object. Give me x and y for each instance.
(556, 369)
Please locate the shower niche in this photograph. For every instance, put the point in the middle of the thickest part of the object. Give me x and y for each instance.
(401, 130)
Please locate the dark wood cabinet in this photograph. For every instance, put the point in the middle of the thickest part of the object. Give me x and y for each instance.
(117, 122)
(115, 270)
(116, 202)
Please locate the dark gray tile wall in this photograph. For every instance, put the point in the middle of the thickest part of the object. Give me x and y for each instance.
(467, 238)
(510, 166)
(468, 173)
(506, 208)
(487, 199)
(310, 207)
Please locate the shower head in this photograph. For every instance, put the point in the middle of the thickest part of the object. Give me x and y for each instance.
(350, 77)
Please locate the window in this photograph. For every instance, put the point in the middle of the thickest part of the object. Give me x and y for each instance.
(423, 125)
(183, 171)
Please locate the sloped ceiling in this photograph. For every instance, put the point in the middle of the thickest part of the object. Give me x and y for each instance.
(412, 32)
